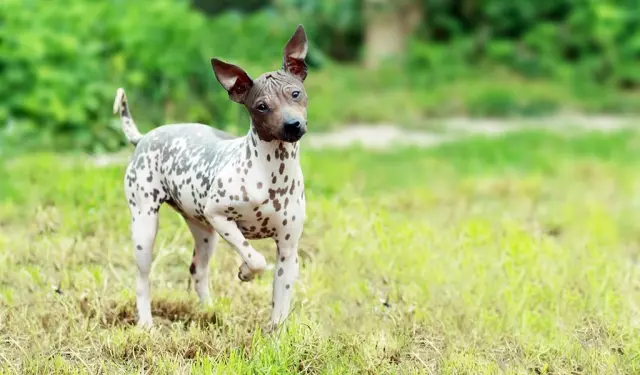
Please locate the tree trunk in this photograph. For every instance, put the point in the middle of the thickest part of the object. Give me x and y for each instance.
(388, 26)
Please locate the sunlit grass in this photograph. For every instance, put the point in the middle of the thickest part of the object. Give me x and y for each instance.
(517, 255)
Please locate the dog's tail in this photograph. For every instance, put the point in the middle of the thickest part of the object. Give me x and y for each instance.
(128, 126)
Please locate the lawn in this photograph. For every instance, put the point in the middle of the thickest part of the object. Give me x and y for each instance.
(486, 256)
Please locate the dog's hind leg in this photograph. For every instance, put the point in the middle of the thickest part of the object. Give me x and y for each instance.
(205, 242)
(144, 226)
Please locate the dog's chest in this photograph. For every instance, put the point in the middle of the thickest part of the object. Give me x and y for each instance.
(276, 206)
(265, 200)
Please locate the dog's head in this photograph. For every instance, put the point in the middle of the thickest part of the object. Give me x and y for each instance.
(276, 101)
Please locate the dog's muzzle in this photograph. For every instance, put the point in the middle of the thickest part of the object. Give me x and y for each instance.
(293, 130)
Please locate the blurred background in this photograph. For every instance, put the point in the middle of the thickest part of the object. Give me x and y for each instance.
(371, 61)
(471, 255)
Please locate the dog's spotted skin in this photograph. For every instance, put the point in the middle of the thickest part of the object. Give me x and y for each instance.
(239, 188)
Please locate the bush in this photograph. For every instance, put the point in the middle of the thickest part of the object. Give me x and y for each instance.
(63, 61)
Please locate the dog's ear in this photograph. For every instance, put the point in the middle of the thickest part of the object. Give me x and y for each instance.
(235, 80)
(294, 54)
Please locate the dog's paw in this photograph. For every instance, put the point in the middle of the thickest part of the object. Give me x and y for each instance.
(245, 274)
(145, 324)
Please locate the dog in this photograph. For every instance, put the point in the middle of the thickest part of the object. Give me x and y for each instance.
(239, 188)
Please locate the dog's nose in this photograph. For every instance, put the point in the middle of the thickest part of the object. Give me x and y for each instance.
(292, 126)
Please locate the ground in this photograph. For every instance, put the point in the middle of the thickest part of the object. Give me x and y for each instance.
(511, 254)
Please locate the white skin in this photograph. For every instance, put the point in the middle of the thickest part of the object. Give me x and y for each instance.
(237, 188)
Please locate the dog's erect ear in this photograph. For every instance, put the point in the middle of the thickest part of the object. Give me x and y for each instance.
(235, 80)
(294, 54)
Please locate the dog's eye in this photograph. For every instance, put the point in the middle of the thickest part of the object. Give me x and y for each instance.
(295, 94)
(262, 107)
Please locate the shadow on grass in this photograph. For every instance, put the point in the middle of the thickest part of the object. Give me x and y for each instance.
(165, 312)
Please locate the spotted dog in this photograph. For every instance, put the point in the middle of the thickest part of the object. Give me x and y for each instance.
(240, 188)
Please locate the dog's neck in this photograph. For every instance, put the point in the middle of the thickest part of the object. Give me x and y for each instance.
(272, 154)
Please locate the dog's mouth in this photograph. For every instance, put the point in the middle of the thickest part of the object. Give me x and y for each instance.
(291, 138)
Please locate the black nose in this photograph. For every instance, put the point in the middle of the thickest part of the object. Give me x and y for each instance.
(292, 126)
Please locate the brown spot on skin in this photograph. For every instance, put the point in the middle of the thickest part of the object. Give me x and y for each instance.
(229, 218)
(139, 247)
(230, 179)
(245, 195)
(226, 234)
(277, 205)
(246, 171)
(280, 272)
(288, 286)
(259, 185)
(286, 178)
(273, 180)
(238, 170)
(281, 170)
(293, 218)
(220, 183)
(286, 202)
(265, 221)
(282, 259)
(245, 243)
(284, 222)
(272, 195)
(206, 240)
(296, 260)
(258, 214)
(249, 255)
(249, 164)
(192, 268)
(268, 157)
(287, 236)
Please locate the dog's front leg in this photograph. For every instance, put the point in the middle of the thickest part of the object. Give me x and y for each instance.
(253, 262)
(284, 277)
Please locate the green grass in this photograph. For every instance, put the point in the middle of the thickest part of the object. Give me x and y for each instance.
(515, 256)
(345, 94)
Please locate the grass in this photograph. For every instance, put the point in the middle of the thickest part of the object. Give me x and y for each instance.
(347, 94)
(489, 256)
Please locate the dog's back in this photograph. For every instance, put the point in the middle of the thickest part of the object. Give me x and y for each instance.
(177, 163)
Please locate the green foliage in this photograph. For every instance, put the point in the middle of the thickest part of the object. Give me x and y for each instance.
(62, 64)
(593, 40)
(334, 25)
